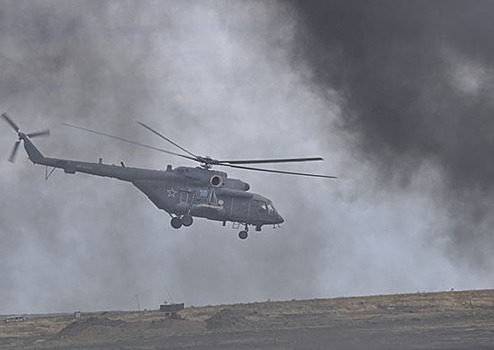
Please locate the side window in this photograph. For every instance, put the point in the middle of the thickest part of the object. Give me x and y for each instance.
(184, 197)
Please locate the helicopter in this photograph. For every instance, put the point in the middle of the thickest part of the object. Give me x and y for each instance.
(182, 192)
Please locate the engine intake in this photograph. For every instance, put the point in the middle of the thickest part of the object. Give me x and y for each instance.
(216, 181)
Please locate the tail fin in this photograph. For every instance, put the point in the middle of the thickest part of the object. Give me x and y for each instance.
(32, 151)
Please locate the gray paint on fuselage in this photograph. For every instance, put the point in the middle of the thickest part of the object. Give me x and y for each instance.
(180, 191)
(208, 202)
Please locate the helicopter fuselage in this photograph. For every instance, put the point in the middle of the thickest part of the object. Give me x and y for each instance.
(181, 192)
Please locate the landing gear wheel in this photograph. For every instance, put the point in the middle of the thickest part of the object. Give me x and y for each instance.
(243, 234)
(176, 222)
(187, 220)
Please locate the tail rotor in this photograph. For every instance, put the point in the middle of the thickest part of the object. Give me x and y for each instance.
(21, 135)
(11, 122)
(14, 151)
(39, 133)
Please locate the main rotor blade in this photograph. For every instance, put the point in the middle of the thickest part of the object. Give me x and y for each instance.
(259, 161)
(279, 171)
(10, 121)
(14, 151)
(39, 133)
(167, 139)
(129, 141)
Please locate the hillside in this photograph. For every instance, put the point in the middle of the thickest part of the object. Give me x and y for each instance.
(446, 320)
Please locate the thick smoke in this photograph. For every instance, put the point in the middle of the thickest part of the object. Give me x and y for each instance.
(231, 80)
(417, 84)
(213, 76)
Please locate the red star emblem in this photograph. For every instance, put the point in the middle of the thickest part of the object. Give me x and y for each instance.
(171, 192)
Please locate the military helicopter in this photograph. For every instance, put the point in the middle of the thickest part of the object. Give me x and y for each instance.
(183, 192)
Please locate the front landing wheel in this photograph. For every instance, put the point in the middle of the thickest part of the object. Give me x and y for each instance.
(176, 222)
(243, 234)
(187, 220)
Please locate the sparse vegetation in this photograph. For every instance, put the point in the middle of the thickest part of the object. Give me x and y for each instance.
(468, 316)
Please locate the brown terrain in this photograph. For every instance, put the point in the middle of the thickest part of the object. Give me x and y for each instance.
(445, 320)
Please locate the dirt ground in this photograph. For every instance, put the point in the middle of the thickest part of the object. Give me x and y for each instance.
(447, 320)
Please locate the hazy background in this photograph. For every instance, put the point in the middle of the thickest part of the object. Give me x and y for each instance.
(394, 95)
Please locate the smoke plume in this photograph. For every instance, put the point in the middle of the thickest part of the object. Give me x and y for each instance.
(395, 98)
(416, 80)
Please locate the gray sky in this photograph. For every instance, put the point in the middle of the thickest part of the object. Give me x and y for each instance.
(242, 80)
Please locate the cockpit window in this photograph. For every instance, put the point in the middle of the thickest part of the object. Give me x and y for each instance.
(267, 207)
(264, 207)
(270, 208)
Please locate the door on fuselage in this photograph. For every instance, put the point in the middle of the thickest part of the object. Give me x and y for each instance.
(254, 211)
(239, 209)
(184, 196)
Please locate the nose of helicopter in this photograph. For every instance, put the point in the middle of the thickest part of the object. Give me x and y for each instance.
(278, 219)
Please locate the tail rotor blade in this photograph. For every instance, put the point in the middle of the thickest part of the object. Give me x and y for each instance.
(20, 135)
(14, 151)
(39, 133)
(10, 121)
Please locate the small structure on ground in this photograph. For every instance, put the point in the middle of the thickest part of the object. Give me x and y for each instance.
(171, 309)
(15, 319)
